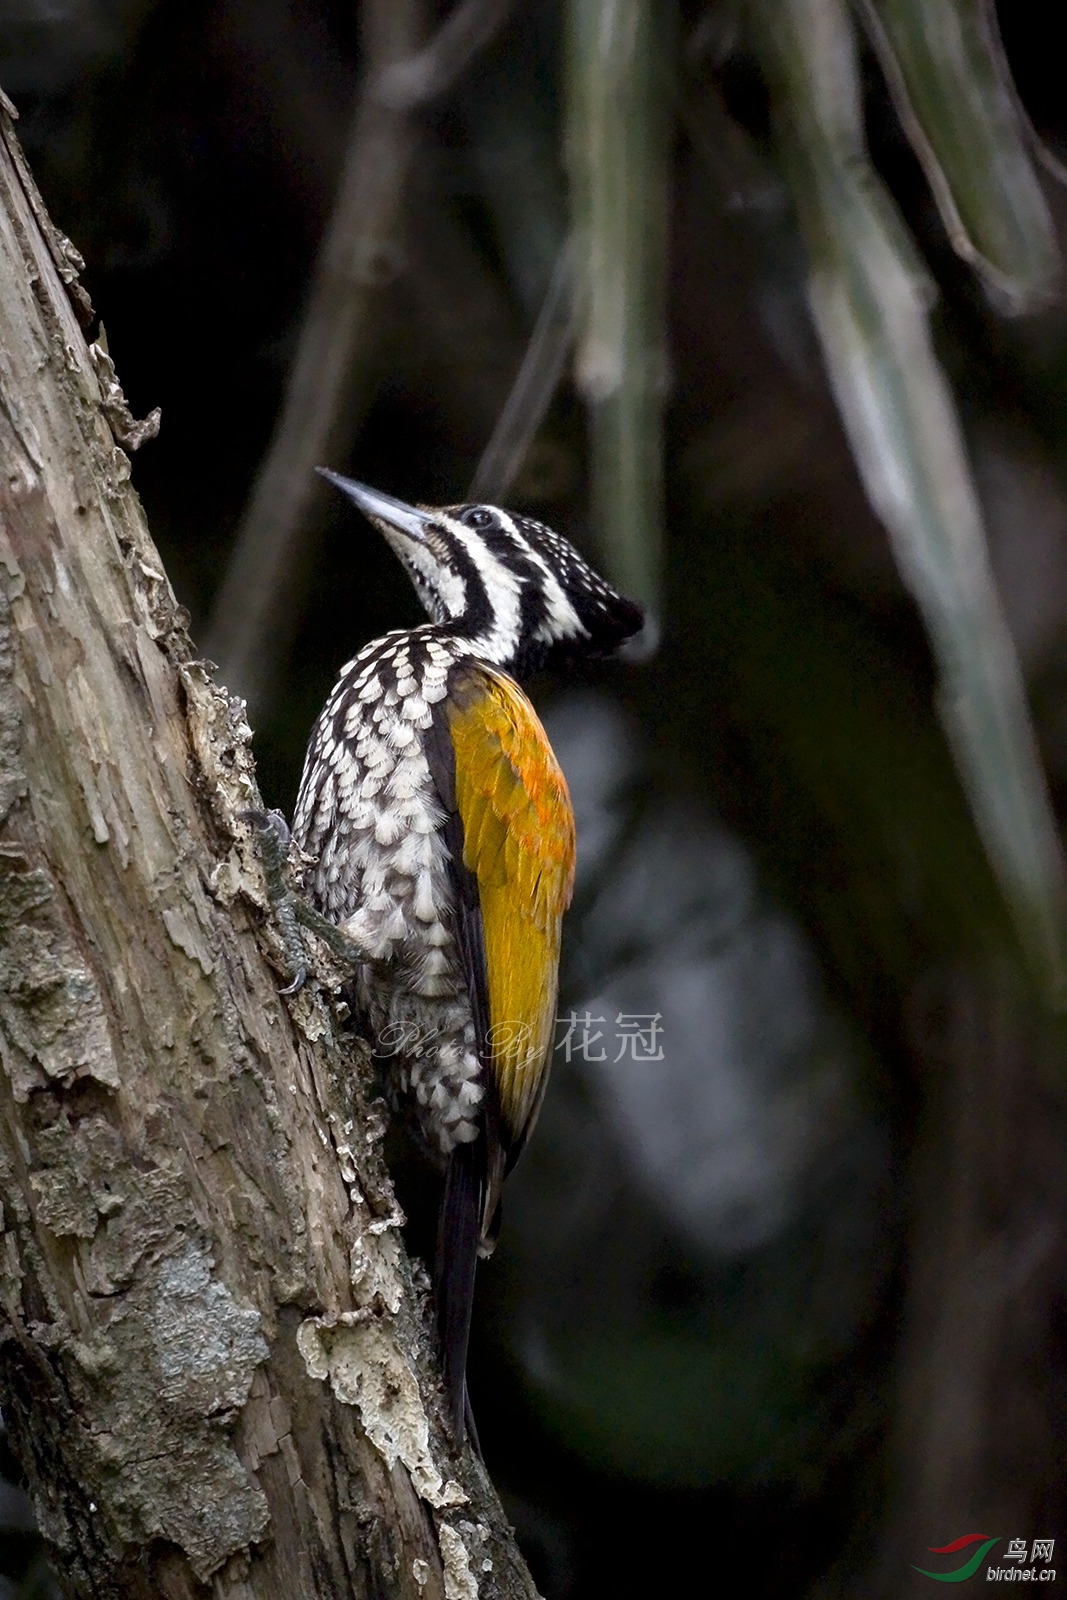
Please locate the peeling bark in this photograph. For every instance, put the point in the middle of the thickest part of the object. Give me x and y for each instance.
(215, 1363)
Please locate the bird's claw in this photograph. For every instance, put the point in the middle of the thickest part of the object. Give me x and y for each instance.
(273, 835)
(291, 910)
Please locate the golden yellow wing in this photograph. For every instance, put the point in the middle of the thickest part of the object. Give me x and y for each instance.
(518, 842)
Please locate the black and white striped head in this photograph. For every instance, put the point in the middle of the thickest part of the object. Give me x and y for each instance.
(519, 594)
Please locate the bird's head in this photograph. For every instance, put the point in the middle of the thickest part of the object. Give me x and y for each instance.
(519, 594)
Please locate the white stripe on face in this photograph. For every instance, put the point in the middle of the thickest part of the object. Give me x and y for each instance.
(562, 621)
(503, 590)
(441, 589)
(502, 639)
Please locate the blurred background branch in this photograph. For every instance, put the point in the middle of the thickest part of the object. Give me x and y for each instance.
(952, 90)
(534, 388)
(620, 97)
(468, 28)
(869, 300)
(332, 378)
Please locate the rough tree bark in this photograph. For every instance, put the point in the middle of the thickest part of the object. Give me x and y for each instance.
(215, 1361)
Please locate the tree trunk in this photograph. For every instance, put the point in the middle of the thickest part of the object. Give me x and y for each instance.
(215, 1364)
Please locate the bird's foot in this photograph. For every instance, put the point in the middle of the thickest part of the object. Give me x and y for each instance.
(292, 912)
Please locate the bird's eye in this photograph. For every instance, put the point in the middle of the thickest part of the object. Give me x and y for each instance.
(478, 517)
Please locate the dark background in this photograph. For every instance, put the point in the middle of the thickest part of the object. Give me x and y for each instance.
(751, 1300)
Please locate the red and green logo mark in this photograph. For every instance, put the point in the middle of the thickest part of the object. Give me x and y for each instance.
(970, 1566)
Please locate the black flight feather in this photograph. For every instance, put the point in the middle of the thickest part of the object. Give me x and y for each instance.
(460, 1227)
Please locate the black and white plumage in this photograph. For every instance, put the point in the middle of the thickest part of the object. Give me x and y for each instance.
(441, 838)
(370, 816)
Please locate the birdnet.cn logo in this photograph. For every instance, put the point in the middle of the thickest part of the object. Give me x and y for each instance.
(1023, 1563)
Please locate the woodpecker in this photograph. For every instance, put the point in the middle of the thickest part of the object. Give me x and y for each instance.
(441, 839)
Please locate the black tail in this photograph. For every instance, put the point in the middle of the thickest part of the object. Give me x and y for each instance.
(457, 1257)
